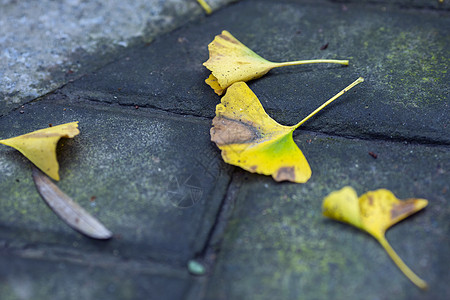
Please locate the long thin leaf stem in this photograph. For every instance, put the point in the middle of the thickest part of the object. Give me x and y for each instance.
(205, 6)
(313, 61)
(357, 81)
(402, 266)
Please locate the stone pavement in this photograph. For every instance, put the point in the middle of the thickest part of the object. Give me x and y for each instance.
(144, 164)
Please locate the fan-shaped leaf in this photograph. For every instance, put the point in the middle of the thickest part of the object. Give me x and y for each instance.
(252, 140)
(40, 146)
(374, 212)
(231, 61)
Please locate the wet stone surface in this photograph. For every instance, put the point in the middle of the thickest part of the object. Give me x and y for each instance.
(59, 279)
(45, 44)
(137, 171)
(279, 240)
(188, 226)
(403, 61)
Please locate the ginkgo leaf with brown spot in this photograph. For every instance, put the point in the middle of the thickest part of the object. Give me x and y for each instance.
(40, 146)
(231, 61)
(252, 140)
(374, 212)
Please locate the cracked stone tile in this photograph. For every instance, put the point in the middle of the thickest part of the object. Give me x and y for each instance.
(154, 179)
(44, 44)
(402, 54)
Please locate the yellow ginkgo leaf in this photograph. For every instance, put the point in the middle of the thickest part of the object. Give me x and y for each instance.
(40, 146)
(374, 212)
(252, 140)
(231, 61)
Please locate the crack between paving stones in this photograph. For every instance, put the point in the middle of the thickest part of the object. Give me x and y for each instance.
(149, 106)
(207, 256)
(71, 80)
(378, 138)
(100, 260)
(224, 213)
(369, 137)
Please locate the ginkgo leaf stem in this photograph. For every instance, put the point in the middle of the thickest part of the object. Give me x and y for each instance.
(205, 6)
(312, 61)
(402, 266)
(356, 82)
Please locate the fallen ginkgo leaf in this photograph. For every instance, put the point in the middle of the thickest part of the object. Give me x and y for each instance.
(231, 61)
(374, 212)
(252, 140)
(40, 146)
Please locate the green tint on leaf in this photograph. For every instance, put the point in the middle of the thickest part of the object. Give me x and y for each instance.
(252, 140)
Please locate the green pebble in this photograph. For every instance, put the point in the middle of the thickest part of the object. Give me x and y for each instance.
(196, 268)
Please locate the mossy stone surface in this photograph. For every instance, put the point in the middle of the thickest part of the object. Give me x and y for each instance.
(51, 278)
(279, 246)
(402, 54)
(144, 164)
(152, 178)
(45, 44)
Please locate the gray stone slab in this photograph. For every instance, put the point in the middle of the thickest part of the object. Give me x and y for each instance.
(279, 246)
(44, 279)
(403, 55)
(406, 4)
(157, 182)
(45, 43)
(152, 178)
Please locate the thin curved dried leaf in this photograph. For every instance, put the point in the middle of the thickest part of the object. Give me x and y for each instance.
(231, 61)
(40, 146)
(252, 140)
(68, 210)
(374, 212)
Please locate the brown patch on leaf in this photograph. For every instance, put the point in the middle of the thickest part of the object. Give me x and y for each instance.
(228, 39)
(219, 45)
(403, 209)
(45, 135)
(285, 173)
(226, 131)
(253, 168)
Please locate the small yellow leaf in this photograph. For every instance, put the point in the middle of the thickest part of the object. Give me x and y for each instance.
(40, 146)
(231, 61)
(374, 212)
(252, 140)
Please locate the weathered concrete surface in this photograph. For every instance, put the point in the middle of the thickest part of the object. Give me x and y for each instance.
(26, 277)
(279, 246)
(154, 178)
(407, 4)
(43, 44)
(404, 62)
